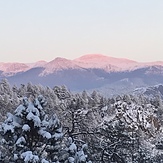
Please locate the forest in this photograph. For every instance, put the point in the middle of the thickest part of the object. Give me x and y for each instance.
(54, 125)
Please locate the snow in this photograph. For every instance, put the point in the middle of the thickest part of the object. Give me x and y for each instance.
(19, 111)
(12, 68)
(20, 122)
(36, 119)
(33, 114)
(107, 63)
(105, 108)
(73, 148)
(44, 161)
(10, 123)
(7, 127)
(71, 160)
(37, 103)
(45, 123)
(81, 156)
(45, 134)
(15, 157)
(26, 127)
(20, 141)
(57, 136)
(59, 64)
(28, 157)
(32, 109)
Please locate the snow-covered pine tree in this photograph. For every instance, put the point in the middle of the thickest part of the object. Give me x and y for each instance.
(5, 87)
(29, 135)
(22, 91)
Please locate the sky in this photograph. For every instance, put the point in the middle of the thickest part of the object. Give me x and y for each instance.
(45, 29)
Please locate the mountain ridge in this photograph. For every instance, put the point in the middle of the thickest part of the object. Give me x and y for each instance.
(103, 73)
(89, 61)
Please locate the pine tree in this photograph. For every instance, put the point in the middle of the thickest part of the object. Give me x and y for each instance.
(29, 135)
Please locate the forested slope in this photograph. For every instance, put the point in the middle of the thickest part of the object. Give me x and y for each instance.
(54, 125)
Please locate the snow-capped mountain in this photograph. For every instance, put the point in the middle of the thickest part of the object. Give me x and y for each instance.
(58, 64)
(105, 62)
(90, 61)
(12, 68)
(88, 72)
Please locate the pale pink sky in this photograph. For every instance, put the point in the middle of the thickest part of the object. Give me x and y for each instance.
(43, 30)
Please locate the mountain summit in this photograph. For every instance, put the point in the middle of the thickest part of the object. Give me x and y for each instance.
(89, 61)
(102, 61)
(58, 64)
(92, 71)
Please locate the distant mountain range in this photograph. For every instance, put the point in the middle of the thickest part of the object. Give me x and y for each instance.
(107, 74)
(151, 91)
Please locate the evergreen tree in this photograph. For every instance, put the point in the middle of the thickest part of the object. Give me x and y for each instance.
(29, 135)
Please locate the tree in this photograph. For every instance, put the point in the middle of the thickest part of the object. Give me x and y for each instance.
(29, 135)
(5, 87)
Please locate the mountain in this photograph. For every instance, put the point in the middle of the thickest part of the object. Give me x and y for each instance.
(152, 91)
(58, 64)
(106, 74)
(38, 64)
(9, 69)
(105, 62)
